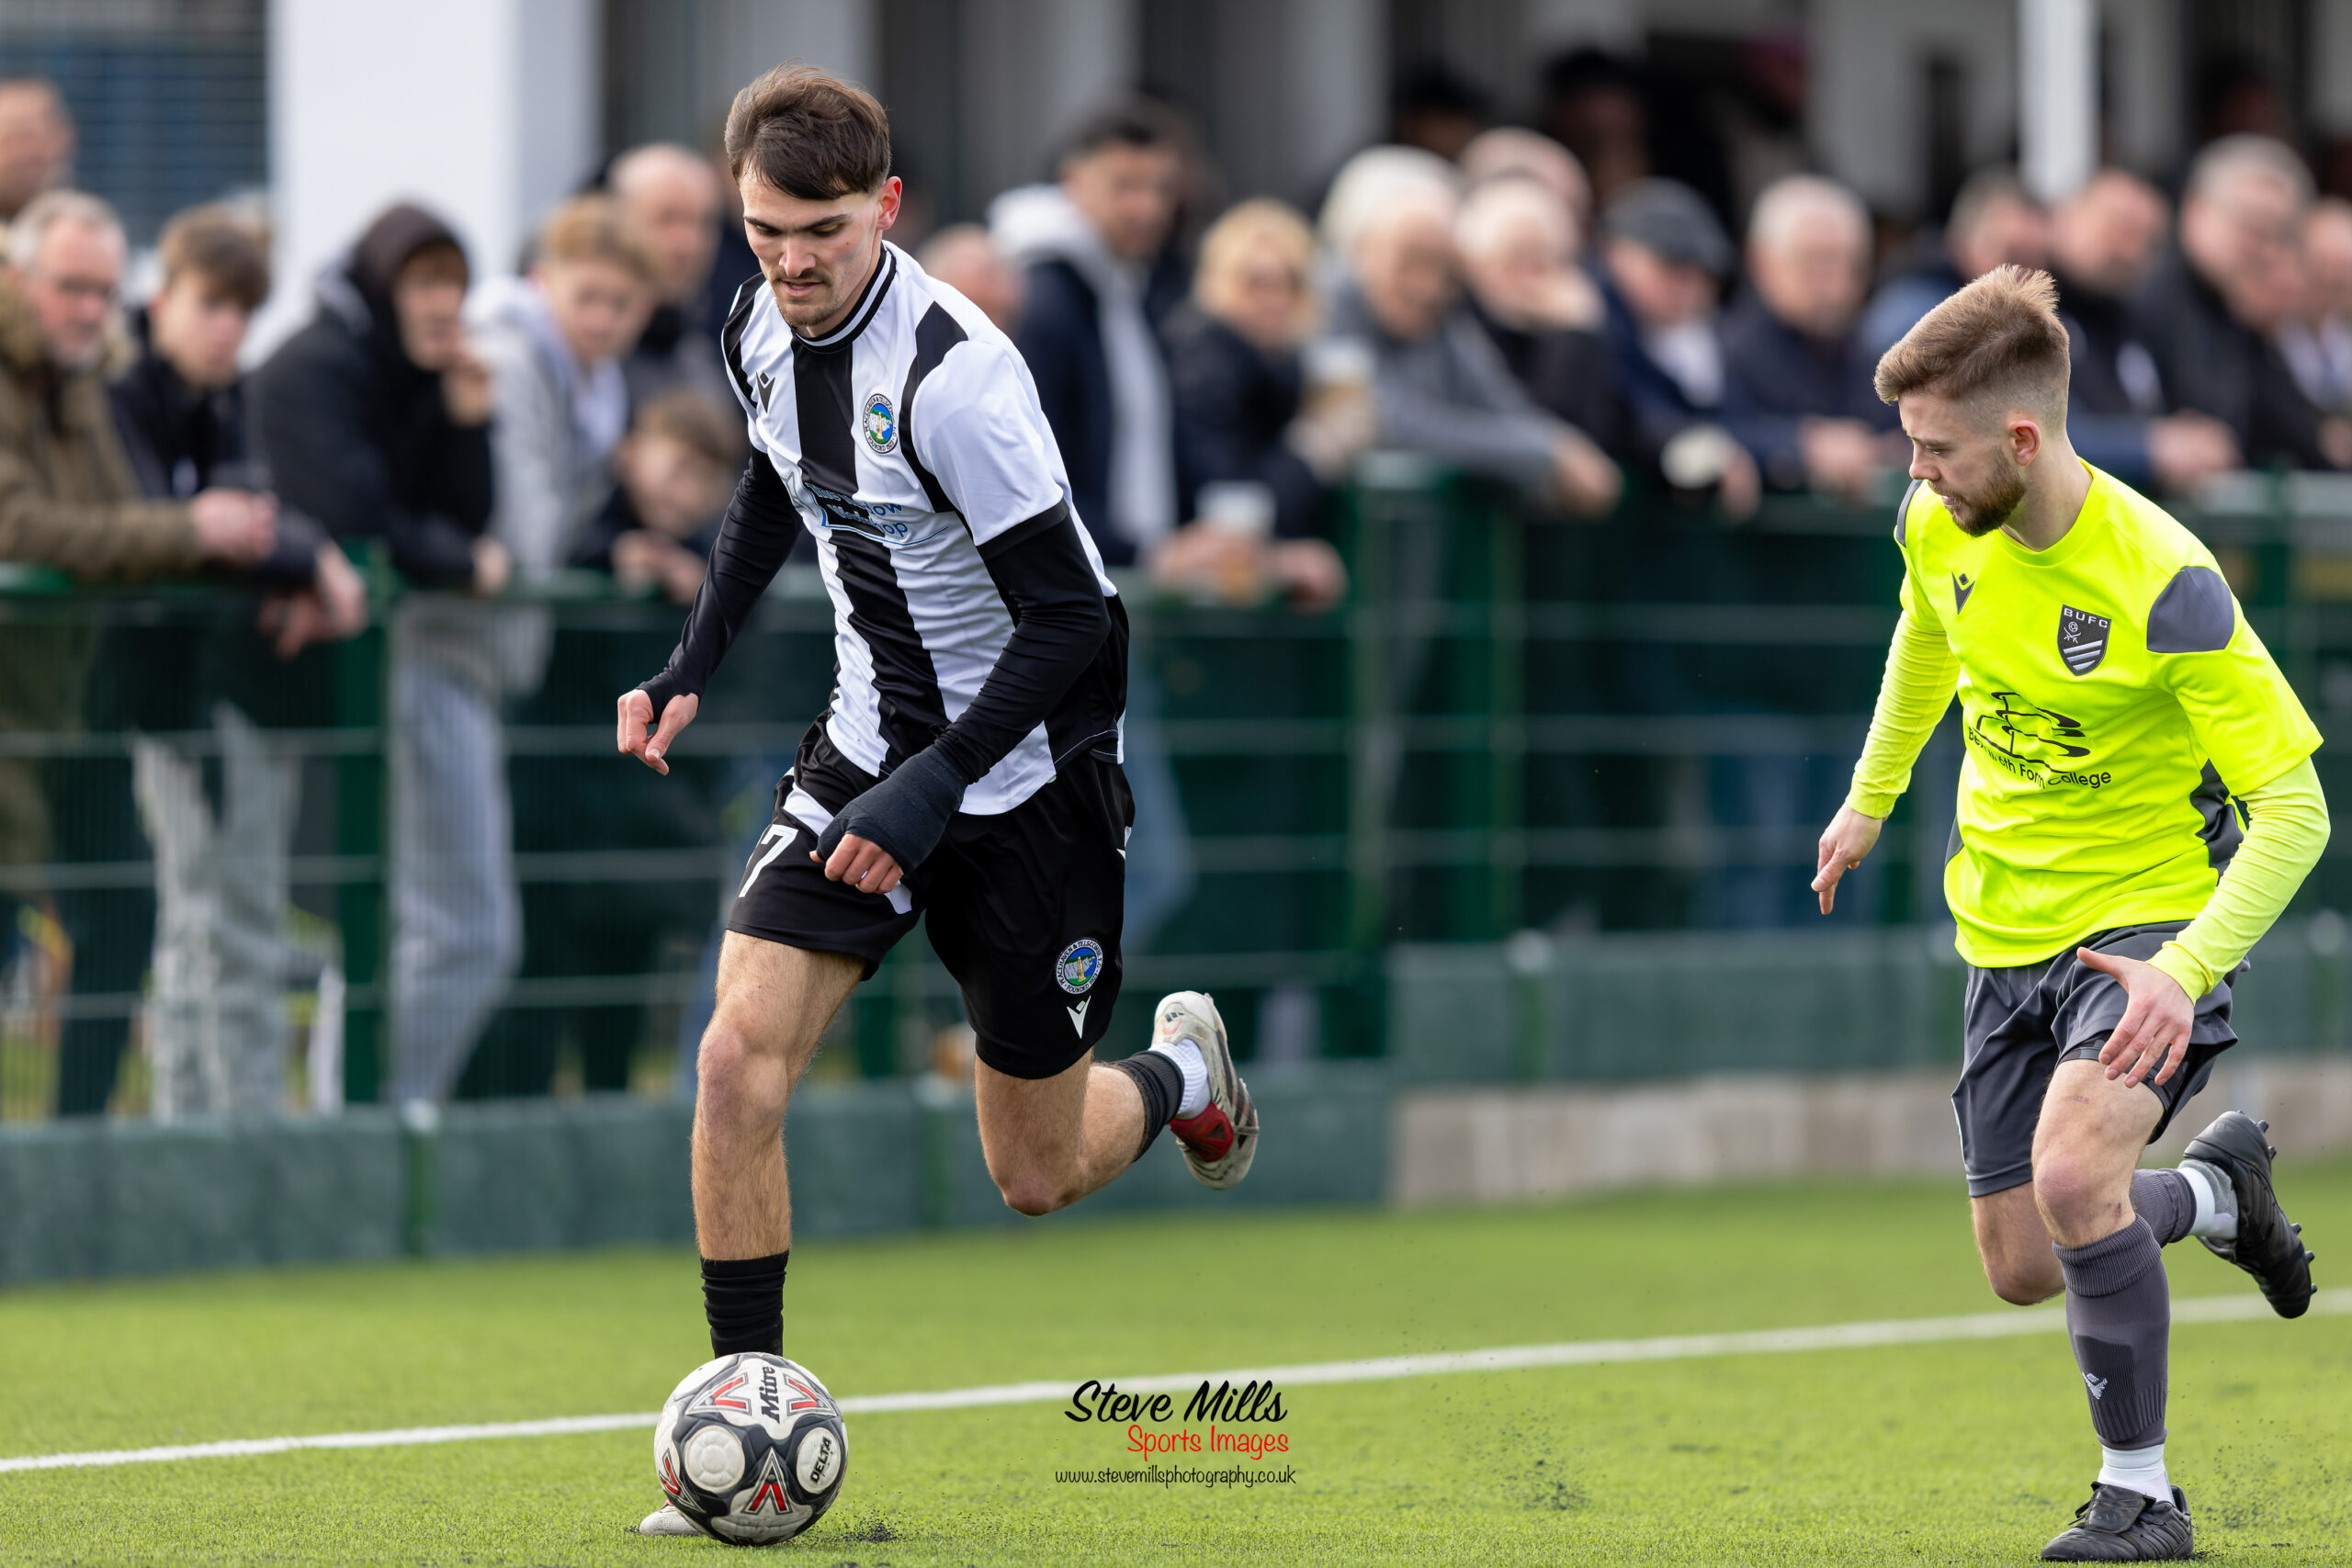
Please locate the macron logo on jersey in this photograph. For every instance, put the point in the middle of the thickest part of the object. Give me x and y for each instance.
(1962, 587)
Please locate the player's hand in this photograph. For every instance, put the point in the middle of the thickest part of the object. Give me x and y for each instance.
(2156, 1020)
(1849, 836)
(863, 864)
(637, 712)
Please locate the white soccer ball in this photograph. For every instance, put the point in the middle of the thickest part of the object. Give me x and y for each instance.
(751, 1448)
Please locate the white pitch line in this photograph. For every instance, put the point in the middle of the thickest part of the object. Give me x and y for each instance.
(1580, 1353)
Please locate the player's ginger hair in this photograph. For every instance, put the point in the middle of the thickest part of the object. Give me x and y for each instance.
(1996, 345)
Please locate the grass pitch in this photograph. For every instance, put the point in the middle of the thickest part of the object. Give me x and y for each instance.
(1961, 1452)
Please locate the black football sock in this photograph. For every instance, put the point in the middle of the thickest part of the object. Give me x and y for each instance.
(1161, 1083)
(2164, 1200)
(743, 1298)
(2118, 1313)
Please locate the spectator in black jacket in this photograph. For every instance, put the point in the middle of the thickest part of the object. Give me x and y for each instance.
(1665, 258)
(1543, 313)
(180, 409)
(2207, 314)
(2103, 241)
(375, 417)
(1233, 358)
(1086, 244)
(1796, 377)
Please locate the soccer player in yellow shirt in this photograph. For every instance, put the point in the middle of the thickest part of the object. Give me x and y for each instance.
(2128, 740)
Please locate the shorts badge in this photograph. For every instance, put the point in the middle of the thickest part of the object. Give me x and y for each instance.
(880, 423)
(1079, 966)
(2082, 638)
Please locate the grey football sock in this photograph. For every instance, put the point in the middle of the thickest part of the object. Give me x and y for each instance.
(2164, 1200)
(2118, 1313)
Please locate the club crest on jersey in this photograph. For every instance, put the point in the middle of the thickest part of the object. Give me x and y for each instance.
(880, 424)
(1079, 966)
(2082, 638)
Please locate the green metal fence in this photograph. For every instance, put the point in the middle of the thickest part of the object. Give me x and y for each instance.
(1514, 724)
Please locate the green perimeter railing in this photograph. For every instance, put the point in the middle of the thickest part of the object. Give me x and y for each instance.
(1515, 724)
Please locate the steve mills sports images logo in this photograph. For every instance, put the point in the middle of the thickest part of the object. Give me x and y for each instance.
(1241, 1424)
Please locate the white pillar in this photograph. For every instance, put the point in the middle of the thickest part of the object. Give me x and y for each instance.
(483, 110)
(2058, 96)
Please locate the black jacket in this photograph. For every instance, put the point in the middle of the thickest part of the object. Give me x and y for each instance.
(2112, 388)
(1060, 336)
(594, 548)
(2209, 362)
(1775, 378)
(359, 436)
(1232, 404)
(1573, 375)
(181, 440)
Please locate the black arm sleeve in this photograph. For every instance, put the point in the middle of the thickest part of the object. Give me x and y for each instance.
(1058, 624)
(760, 529)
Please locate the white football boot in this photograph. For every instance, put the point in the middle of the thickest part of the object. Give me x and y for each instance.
(667, 1520)
(1222, 1140)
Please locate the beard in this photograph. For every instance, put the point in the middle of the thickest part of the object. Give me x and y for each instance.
(1980, 514)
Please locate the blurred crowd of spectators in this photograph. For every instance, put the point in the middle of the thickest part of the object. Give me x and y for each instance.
(1479, 296)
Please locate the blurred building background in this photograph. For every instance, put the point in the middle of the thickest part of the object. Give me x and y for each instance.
(499, 106)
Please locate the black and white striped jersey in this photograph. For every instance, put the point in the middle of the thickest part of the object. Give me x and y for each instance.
(912, 449)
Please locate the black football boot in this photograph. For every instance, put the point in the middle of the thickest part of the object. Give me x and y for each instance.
(2269, 1246)
(2118, 1525)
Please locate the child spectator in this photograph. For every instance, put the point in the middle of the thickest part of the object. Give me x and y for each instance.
(675, 471)
(553, 347)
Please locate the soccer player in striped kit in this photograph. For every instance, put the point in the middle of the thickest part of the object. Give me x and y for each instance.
(967, 767)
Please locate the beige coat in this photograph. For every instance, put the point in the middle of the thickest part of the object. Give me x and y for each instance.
(67, 497)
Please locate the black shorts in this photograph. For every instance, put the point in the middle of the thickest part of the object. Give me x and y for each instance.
(1024, 907)
(2021, 1022)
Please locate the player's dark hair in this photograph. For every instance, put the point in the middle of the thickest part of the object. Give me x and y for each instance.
(1998, 340)
(215, 243)
(1133, 121)
(808, 133)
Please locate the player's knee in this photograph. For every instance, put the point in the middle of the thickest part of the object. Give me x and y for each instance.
(2019, 1283)
(2074, 1197)
(737, 1077)
(1035, 1193)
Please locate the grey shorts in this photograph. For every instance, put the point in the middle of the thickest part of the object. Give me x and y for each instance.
(2021, 1023)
